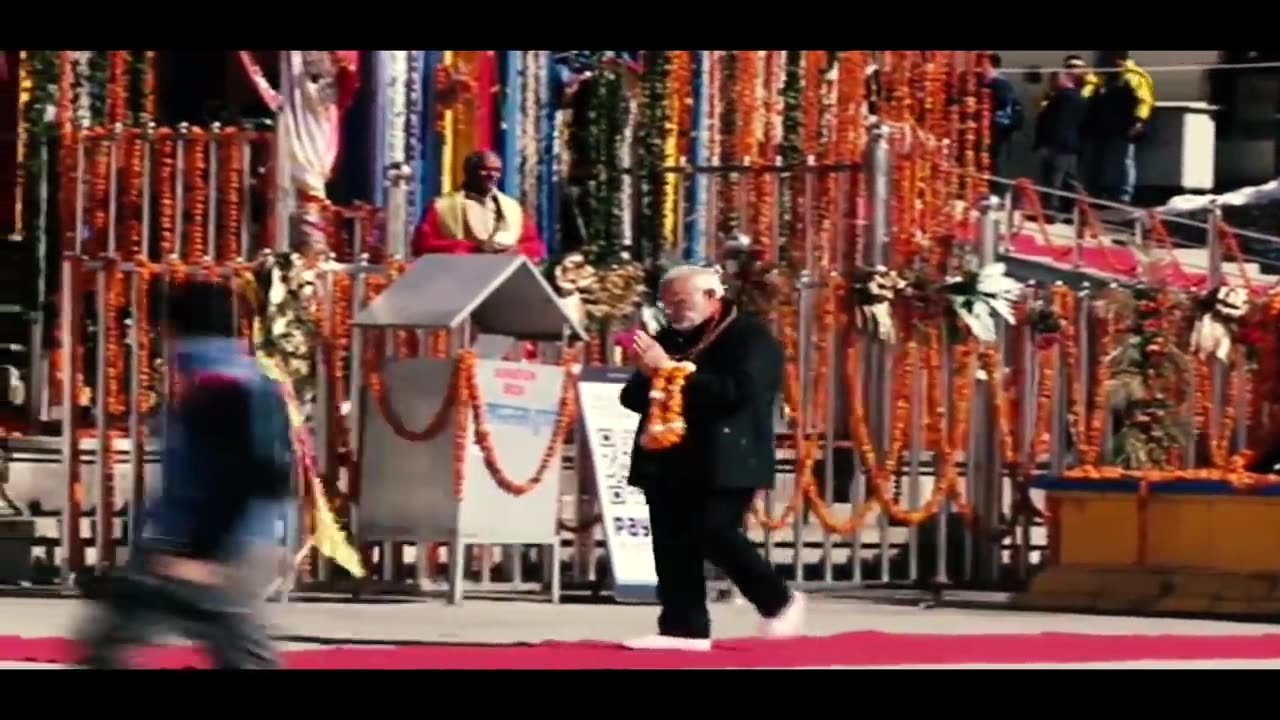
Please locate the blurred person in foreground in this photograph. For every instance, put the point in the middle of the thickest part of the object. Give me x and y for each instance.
(1058, 140)
(699, 490)
(228, 464)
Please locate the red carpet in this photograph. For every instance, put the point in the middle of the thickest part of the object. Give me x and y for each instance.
(1115, 260)
(861, 648)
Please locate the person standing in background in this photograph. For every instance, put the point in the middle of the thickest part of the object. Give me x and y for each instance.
(1086, 80)
(1007, 117)
(1059, 141)
(1118, 117)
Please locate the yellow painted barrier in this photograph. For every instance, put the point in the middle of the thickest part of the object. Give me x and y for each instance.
(1203, 548)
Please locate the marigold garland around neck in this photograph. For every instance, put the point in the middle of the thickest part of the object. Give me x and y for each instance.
(664, 423)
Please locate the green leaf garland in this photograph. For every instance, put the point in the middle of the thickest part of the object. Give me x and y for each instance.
(792, 150)
(655, 84)
(727, 213)
(99, 75)
(38, 118)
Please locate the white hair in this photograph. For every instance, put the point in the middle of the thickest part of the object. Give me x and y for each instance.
(703, 278)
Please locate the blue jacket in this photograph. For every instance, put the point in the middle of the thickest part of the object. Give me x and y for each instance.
(227, 450)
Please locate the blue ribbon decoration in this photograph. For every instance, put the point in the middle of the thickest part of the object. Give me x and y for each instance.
(413, 139)
(428, 178)
(378, 154)
(698, 145)
(512, 61)
(549, 187)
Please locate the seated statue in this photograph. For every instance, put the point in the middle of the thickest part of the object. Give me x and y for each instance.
(478, 218)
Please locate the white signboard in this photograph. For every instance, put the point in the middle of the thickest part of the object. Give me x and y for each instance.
(609, 432)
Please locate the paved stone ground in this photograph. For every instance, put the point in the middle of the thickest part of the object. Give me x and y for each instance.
(301, 625)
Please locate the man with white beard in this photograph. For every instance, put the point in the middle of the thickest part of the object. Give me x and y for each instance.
(699, 488)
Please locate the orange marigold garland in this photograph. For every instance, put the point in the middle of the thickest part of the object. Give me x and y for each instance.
(342, 331)
(111, 333)
(133, 195)
(564, 421)
(100, 155)
(197, 199)
(763, 195)
(117, 86)
(983, 148)
(729, 120)
(664, 423)
(149, 84)
(232, 166)
(374, 340)
(144, 395)
(163, 190)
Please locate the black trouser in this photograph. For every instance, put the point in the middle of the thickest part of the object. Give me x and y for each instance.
(1059, 171)
(692, 524)
(139, 604)
(1001, 163)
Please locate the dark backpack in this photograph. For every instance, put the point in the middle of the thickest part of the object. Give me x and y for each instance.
(1010, 118)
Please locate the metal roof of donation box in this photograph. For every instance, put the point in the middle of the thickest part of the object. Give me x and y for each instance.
(502, 294)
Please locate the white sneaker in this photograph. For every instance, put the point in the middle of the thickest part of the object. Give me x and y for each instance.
(667, 642)
(789, 622)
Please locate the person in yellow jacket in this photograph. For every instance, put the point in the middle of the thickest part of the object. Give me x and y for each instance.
(1085, 80)
(1118, 117)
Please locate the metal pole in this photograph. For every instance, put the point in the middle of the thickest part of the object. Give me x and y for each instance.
(804, 330)
(876, 354)
(71, 551)
(1028, 422)
(323, 412)
(148, 137)
(246, 187)
(918, 420)
(1083, 348)
(949, 381)
(211, 217)
(38, 368)
(104, 502)
(835, 363)
(878, 359)
(392, 221)
(137, 443)
(989, 471)
(1219, 369)
(1108, 422)
(113, 187)
(458, 547)
(355, 416)
(1057, 429)
(77, 231)
(179, 189)
(1077, 222)
(284, 155)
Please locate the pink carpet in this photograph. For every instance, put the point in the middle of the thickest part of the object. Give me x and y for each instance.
(860, 648)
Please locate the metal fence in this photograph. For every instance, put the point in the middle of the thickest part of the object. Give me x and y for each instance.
(985, 530)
